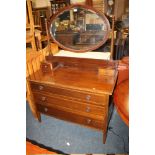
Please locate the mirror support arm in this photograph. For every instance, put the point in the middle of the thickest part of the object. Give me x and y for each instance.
(112, 38)
(48, 38)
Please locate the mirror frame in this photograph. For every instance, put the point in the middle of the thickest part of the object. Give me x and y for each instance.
(67, 8)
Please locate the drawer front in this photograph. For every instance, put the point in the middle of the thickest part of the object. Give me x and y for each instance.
(98, 99)
(72, 117)
(56, 100)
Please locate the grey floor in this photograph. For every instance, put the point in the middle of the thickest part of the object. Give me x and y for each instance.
(72, 138)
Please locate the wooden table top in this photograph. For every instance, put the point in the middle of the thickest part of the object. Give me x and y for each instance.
(121, 100)
(79, 79)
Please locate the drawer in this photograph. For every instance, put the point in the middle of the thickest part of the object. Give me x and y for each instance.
(57, 100)
(87, 97)
(70, 116)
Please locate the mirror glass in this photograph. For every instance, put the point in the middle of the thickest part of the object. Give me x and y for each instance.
(79, 28)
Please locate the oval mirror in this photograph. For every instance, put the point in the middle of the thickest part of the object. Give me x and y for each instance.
(79, 28)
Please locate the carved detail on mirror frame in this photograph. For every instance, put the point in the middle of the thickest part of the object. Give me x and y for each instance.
(79, 28)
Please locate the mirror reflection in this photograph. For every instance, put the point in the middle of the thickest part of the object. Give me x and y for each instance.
(79, 29)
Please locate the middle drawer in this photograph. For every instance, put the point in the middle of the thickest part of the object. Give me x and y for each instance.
(71, 104)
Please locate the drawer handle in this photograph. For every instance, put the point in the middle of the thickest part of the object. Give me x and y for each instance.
(41, 87)
(87, 109)
(45, 109)
(88, 121)
(43, 98)
(88, 97)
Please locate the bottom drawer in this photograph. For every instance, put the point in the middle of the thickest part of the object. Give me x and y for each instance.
(72, 117)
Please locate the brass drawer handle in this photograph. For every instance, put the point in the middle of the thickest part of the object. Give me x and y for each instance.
(88, 97)
(89, 121)
(45, 109)
(41, 87)
(43, 98)
(87, 109)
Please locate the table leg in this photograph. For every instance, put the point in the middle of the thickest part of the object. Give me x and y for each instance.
(104, 136)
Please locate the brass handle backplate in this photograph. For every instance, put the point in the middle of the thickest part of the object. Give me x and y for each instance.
(43, 98)
(87, 109)
(89, 121)
(41, 87)
(88, 97)
(45, 109)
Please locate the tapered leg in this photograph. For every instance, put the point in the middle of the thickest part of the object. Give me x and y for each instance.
(104, 137)
(39, 117)
(105, 128)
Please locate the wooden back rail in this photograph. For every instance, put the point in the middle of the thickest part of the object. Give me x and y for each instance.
(82, 62)
(112, 38)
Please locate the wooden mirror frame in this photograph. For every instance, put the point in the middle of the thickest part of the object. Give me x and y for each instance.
(67, 8)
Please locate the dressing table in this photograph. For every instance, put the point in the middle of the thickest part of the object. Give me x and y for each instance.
(75, 88)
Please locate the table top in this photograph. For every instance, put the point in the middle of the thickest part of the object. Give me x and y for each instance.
(78, 79)
(121, 100)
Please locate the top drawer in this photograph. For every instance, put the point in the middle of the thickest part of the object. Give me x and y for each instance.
(88, 97)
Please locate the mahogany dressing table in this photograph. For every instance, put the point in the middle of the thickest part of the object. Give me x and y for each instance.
(76, 89)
